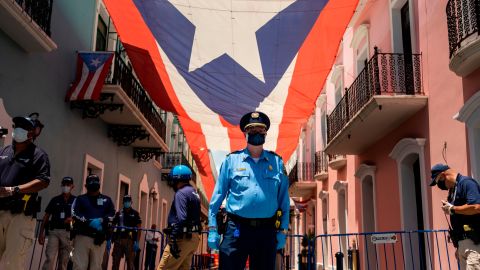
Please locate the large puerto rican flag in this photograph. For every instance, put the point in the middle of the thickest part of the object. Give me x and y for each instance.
(212, 61)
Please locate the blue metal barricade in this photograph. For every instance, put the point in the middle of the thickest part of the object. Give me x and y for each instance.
(407, 250)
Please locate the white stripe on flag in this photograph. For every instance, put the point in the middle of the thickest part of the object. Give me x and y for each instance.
(215, 134)
(93, 83)
(274, 104)
(79, 87)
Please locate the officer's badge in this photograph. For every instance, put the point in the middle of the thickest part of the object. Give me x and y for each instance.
(241, 169)
(255, 115)
(270, 167)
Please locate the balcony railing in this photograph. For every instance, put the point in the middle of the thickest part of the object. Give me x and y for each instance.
(321, 162)
(293, 175)
(172, 159)
(305, 171)
(39, 10)
(384, 74)
(463, 20)
(123, 76)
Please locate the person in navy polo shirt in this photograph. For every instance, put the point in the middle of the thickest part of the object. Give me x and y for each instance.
(255, 186)
(57, 221)
(463, 206)
(24, 171)
(92, 212)
(126, 240)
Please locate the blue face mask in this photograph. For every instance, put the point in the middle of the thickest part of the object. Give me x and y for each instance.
(127, 204)
(256, 138)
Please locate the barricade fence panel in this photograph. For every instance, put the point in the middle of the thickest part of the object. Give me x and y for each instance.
(407, 250)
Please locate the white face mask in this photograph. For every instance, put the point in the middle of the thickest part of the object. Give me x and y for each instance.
(19, 135)
(66, 189)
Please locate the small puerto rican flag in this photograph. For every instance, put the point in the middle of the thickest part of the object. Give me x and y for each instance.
(92, 68)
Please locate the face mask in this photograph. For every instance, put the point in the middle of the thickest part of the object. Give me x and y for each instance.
(256, 138)
(66, 189)
(127, 204)
(441, 185)
(93, 186)
(20, 135)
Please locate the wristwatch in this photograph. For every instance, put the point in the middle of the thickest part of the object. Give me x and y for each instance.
(16, 190)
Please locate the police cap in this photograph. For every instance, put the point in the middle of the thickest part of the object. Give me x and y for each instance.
(67, 180)
(127, 198)
(252, 119)
(92, 178)
(23, 122)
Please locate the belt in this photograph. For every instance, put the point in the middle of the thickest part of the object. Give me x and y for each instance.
(253, 222)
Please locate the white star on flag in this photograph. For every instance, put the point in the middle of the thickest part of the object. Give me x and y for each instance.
(95, 62)
(221, 27)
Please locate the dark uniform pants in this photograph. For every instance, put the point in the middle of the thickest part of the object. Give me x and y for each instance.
(256, 243)
(150, 256)
(123, 246)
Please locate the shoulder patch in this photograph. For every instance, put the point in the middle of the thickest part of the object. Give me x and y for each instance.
(235, 152)
(273, 153)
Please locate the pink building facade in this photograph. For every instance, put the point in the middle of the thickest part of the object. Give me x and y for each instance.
(401, 97)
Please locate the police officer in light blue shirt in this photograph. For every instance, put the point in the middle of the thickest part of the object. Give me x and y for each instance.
(255, 186)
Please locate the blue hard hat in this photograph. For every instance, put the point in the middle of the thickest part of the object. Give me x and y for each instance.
(180, 173)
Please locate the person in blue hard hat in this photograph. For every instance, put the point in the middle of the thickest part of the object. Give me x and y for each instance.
(255, 186)
(183, 229)
(463, 207)
(24, 171)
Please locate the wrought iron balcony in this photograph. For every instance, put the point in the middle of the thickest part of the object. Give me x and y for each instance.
(293, 175)
(40, 11)
(172, 159)
(463, 20)
(301, 180)
(390, 82)
(123, 76)
(27, 22)
(321, 165)
(321, 162)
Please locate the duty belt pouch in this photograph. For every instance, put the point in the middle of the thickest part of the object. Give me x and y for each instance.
(32, 205)
(221, 222)
(474, 236)
(188, 234)
(453, 237)
(17, 206)
(99, 239)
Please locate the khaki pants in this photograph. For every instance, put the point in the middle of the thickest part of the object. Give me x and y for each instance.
(187, 248)
(16, 237)
(123, 247)
(87, 255)
(58, 242)
(469, 255)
